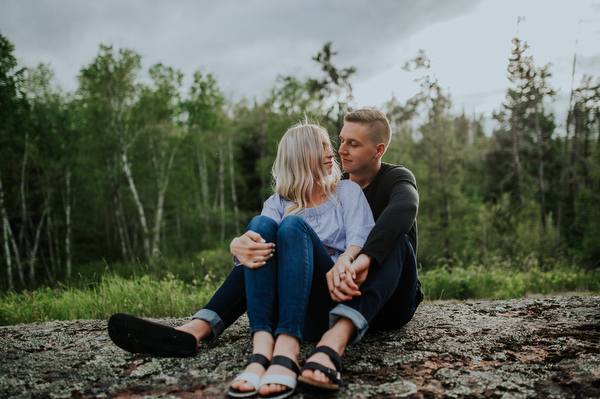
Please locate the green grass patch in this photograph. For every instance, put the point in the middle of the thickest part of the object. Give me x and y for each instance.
(477, 282)
(142, 296)
(169, 296)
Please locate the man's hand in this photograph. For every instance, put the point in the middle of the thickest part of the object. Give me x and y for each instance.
(251, 250)
(345, 278)
(361, 268)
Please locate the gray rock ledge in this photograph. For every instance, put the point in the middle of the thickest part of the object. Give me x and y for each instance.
(526, 348)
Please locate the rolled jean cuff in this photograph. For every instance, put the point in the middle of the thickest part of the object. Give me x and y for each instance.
(354, 316)
(212, 318)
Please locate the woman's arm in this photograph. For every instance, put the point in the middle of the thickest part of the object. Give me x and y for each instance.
(250, 249)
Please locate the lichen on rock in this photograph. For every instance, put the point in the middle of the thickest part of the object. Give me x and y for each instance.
(525, 348)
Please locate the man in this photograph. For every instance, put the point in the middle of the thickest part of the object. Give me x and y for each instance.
(381, 293)
(384, 291)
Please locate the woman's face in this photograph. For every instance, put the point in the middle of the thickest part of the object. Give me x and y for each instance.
(327, 154)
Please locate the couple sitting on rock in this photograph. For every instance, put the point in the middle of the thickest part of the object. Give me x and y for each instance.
(329, 256)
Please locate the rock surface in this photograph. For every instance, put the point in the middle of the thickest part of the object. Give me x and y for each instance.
(527, 348)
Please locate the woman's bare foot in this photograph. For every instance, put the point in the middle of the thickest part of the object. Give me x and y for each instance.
(262, 344)
(287, 346)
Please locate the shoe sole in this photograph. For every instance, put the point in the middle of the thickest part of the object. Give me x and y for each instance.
(137, 335)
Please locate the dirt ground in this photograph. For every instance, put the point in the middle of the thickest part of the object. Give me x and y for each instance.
(527, 348)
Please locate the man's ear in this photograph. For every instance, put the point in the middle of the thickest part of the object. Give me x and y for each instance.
(380, 150)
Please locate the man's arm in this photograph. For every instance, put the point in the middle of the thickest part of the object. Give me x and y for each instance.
(393, 222)
(396, 219)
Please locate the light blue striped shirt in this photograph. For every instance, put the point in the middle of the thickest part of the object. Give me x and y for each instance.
(345, 219)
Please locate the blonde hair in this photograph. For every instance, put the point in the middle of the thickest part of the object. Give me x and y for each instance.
(299, 166)
(378, 125)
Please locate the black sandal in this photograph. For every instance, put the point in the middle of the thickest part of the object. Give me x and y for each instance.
(252, 378)
(137, 335)
(333, 375)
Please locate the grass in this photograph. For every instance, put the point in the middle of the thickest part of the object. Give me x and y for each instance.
(168, 296)
(142, 296)
(478, 282)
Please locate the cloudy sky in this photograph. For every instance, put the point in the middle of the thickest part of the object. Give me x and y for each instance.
(246, 44)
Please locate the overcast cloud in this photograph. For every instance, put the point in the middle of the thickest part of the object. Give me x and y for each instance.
(246, 44)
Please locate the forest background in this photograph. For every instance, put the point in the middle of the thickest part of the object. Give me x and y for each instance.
(134, 179)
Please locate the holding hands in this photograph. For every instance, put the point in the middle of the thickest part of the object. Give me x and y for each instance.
(346, 276)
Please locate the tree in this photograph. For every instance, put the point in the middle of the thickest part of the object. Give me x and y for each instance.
(13, 118)
(436, 150)
(334, 88)
(56, 142)
(108, 91)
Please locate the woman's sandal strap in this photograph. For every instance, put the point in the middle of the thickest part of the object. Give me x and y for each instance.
(260, 359)
(285, 362)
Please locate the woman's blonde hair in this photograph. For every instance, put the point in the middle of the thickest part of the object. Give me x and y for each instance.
(299, 166)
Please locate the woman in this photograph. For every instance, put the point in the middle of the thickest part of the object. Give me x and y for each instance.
(316, 222)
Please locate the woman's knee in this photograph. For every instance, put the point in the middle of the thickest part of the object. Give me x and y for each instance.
(265, 226)
(291, 226)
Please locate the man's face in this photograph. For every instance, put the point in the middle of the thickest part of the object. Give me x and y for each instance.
(357, 152)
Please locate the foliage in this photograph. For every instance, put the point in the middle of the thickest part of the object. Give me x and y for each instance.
(142, 296)
(478, 282)
(155, 178)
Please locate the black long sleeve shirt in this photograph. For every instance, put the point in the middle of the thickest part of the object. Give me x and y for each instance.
(394, 200)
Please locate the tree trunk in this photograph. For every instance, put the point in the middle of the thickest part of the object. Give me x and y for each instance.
(9, 271)
(53, 249)
(5, 235)
(563, 174)
(516, 162)
(202, 170)
(23, 236)
(33, 253)
(160, 203)
(222, 186)
(69, 227)
(538, 133)
(138, 203)
(572, 182)
(233, 191)
(563, 179)
(122, 236)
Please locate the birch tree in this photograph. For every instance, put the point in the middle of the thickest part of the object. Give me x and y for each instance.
(109, 91)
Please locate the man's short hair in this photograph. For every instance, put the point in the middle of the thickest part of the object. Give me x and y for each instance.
(378, 125)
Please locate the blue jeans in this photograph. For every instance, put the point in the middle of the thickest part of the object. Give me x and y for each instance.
(279, 293)
(390, 295)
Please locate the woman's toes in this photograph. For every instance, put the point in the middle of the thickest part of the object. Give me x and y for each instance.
(271, 388)
(242, 386)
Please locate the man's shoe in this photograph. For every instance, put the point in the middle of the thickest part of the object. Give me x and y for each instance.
(137, 335)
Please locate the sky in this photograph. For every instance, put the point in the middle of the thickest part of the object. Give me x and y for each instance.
(247, 44)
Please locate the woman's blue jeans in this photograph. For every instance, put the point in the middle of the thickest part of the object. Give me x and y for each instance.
(390, 294)
(279, 292)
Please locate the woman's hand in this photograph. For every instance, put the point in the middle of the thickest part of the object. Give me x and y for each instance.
(251, 250)
(344, 278)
